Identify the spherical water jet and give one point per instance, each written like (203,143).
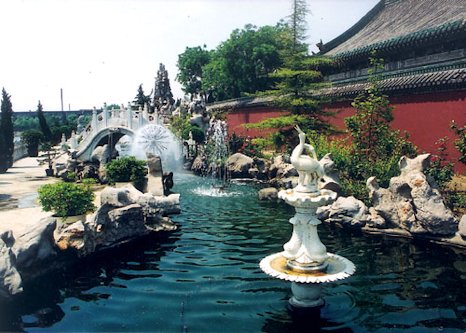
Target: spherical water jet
(157,140)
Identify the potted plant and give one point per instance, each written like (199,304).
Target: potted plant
(32,138)
(67,199)
(47,147)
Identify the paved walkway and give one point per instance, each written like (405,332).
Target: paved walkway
(18,193)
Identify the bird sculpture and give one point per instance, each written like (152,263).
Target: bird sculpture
(308,167)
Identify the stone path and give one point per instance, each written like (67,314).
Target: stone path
(18,194)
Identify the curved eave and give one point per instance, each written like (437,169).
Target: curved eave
(438,80)
(449,30)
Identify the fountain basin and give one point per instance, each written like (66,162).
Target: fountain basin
(306,285)
(338,268)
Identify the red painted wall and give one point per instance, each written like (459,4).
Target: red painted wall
(237,118)
(426,117)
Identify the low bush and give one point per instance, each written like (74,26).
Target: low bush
(127,169)
(66,199)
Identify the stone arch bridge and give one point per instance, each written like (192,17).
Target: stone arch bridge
(108,127)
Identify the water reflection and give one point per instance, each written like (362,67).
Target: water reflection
(205,278)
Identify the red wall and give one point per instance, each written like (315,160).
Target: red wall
(236,119)
(426,117)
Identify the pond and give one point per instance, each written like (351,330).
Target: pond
(205,277)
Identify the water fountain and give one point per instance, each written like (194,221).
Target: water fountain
(217,150)
(157,140)
(305,261)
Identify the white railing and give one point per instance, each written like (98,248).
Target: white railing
(124,117)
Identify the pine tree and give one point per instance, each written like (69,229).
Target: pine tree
(297,82)
(43,123)
(141,99)
(7,128)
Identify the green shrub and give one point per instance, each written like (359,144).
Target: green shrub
(197,133)
(69,176)
(66,199)
(32,138)
(127,169)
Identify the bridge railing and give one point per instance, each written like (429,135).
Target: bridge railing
(124,117)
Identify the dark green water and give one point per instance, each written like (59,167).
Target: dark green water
(205,278)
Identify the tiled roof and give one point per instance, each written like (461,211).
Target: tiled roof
(454,78)
(393,24)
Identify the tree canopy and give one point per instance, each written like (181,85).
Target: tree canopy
(141,98)
(297,80)
(190,64)
(44,127)
(240,65)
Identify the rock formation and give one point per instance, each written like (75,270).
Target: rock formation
(411,202)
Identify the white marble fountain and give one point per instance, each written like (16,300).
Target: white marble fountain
(305,260)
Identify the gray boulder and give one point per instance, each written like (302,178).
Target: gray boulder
(115,197)
(462,227)
(331,179)
(348,211)
(411,202)
(238,165)
(10,280)
(35,245)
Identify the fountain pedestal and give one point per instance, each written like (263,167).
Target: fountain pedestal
(305,260)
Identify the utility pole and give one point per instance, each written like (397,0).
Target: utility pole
(63,115)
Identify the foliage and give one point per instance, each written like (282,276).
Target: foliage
(66,199)
(190,64)
(141,99)
(6,131)
(460,142)
(369,128)
(296,81)
(70,177)
(440,170)
(235,143)
(197,133)
(44,127)
(89,181)
(373,148)
(238,66)
(47,147)
(250,148)
(178,125)
(354,169)
(126,169)
(32,138)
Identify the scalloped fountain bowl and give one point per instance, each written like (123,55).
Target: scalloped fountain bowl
(305,261)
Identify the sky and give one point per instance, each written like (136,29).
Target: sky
(100,51)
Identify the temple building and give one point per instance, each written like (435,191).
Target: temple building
(423,44)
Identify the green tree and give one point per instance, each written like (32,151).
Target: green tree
(460,142)
(141,98)
(44,127)
(6,129)
(32,138)
(3,155)
(375,147)
(296,82)
(190,64)
(241,65)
